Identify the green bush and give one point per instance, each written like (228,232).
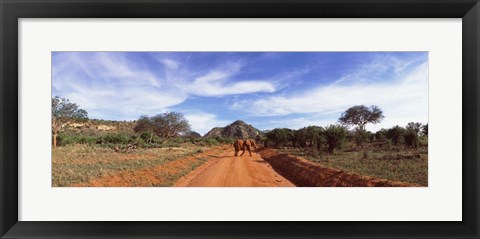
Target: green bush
(380,136)
(360,136)
(178,140)
(201,143)
(411,139)
(63,139)
(280,136)
(119,138)
(148,137)
(86,140)
(335,136)
(68,139)
(395,135)
(221,140)
(211,141)
(139,142)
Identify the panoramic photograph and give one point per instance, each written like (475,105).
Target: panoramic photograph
(239,119)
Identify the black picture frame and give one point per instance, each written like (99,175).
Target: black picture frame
(12,10)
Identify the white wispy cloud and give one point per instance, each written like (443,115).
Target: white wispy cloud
(403,99)
(377,68)
(220,82)
(107,82)
(296,122)
(119,86)
(202,122)
(170,63)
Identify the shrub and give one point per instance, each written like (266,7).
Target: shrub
(335,136)
(314,153)
(220,139)
(279,136)
(360,136)
(86,140)
(320,140)
(300,138)
(66,139)
(425,130)
(139,142)
(201,143)
(211,141)
(62,139)
(395,135)
(313,134)
(381,135)
(411,139)
(147,137)
(119,138)
(178,140)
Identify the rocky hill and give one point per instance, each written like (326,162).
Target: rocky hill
(237,129)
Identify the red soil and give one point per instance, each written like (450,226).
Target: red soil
(148,177)
(307,174)
(222,169)
(226,170)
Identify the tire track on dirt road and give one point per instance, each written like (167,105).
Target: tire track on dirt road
(226,170)
(160,175)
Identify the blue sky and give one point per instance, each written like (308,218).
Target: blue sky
(265,89)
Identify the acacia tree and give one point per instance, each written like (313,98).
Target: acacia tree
(335,136)
(164,125)
(395,134)
(144,125)
(170,124)
(361,115)
(411,138)
(300,138)
(280,136)
(313,133)
(415,127)
(64,111)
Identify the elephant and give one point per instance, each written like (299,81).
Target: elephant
(247,144)
(238,145)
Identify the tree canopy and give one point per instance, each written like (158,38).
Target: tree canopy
(64,111)
(360,115)
(425,129)
(164,125)
(415,127)
(335,136)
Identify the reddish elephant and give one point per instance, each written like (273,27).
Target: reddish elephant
(248,145)
(238,145)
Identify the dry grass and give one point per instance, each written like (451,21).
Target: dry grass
(403,165)
(81,163)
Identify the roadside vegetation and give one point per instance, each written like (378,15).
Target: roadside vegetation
(84,149)
(75,164)
(398,153)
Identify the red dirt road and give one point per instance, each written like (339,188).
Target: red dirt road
(226,170)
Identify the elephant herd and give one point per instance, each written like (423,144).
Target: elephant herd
(247,144)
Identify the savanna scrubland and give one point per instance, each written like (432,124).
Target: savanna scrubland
(162,150)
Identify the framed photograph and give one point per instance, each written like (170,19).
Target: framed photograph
(239,119)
